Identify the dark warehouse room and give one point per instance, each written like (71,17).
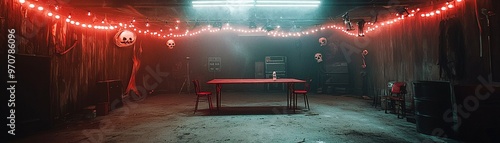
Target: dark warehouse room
(246,71)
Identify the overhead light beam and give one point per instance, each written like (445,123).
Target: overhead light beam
(257,3)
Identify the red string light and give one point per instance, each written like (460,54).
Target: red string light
(448,5)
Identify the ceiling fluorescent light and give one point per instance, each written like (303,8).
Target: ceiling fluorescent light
(219,5)
(268,3)
(259,3)
(281,5)
(222,3)
(289,2)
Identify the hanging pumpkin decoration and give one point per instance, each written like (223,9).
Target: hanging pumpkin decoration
(170,44)
(125,38)
(322,41)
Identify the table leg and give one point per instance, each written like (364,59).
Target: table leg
(218,88)
(290,98)
(288,95)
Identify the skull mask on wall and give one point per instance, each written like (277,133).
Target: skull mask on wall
(125,38)
(170,44)
(322,41)
(318,57)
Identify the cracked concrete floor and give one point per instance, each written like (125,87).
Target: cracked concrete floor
(244,117)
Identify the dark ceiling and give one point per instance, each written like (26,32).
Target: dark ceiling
(164,13)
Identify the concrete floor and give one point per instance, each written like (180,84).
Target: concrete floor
(245,117)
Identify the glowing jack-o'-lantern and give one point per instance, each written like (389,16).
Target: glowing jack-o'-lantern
(322,41)
(125,38)
(170,43)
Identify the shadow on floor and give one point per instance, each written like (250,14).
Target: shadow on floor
(250,110)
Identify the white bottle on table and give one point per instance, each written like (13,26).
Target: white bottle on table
(274,75)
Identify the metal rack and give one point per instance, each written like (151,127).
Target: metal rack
(336,77)
(277,64)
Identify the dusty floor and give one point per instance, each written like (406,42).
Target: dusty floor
(245,117)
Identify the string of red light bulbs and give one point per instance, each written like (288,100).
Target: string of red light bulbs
(103,26)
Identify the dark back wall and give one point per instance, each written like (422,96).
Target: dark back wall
(238,54)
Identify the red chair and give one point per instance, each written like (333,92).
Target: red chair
(304,93)
(397,99)
(200,93)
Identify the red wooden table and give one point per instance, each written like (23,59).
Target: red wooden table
(289,81)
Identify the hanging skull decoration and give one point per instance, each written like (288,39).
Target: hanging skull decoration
(322,41)
(318,57)
(170,44)
(125,38)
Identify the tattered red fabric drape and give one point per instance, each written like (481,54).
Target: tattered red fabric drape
(136,65)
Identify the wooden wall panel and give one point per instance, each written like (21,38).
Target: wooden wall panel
(75,73)
(409,50)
